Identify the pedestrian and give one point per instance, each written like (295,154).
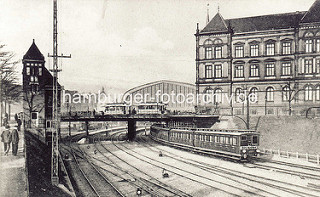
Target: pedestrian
(15,141)
(19,122)
(6,139)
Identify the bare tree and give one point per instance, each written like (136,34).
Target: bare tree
(10,88)
(31,93)
(290,92)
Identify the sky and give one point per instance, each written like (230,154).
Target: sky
(120,44)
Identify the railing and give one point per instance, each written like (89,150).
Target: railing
(297,155)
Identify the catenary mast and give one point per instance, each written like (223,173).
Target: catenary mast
(55,103)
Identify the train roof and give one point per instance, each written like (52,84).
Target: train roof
(148,104)
(115,105)
(219,131)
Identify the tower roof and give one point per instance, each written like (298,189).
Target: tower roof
(217,24)
(313,14)
(33,53)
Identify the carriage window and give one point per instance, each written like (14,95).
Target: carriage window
(222,139)
(234,141)
(243,138)
(255,139)
(208,138)
(227,140)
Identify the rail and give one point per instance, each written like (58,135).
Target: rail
(287,154)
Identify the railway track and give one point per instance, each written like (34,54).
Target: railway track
(204,180)
(142,179)
(292,189)
(311,169)
(97,181)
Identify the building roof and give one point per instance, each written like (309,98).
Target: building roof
(265,22)
(217,24)
(313,14)
(33,53)
(257,23)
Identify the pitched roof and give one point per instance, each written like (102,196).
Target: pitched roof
(33,53)
(258,23)
(217,24)
(313,14)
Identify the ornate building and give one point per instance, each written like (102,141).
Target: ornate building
(274,57)
(37,90)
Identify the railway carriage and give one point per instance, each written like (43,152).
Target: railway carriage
(236,144)
(150,108)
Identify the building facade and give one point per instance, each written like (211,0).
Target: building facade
(275,57)
(37,90)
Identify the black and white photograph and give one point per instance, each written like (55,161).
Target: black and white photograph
(157,98)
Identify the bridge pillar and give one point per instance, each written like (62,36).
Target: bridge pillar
(87,128)
(131,130)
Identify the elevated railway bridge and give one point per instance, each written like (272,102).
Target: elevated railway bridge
(191,120)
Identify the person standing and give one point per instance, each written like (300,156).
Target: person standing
(19,124)
(6,139)
(15,141)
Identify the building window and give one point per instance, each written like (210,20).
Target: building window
(208,95)
(208,71)
(27,70)
(254,70)
(270,49)
(218,96)
(208,52)
(318,93)
(270,69)
(286,48)
(254,50)
(218,52)
(40,71)
(286,93)
(239,51)
(286,68)
(239,96)
(254,95)
(308,66)
(239,71)
(308,93)
(269,94)
(309,44)
(32,78)
(218,71)
(318,66)
(317,45)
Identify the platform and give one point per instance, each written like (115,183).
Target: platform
(12,170)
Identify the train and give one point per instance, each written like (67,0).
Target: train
(233,143)
(120,109)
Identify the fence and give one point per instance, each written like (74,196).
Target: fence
(297,155)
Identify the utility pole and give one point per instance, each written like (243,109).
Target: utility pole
(55,104)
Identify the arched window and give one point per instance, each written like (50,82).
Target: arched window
(238,95)
(208,49)
(254,95)
(270,94)
(308,94)
(208,95)
(218,96)
(286,93)
(318,93)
